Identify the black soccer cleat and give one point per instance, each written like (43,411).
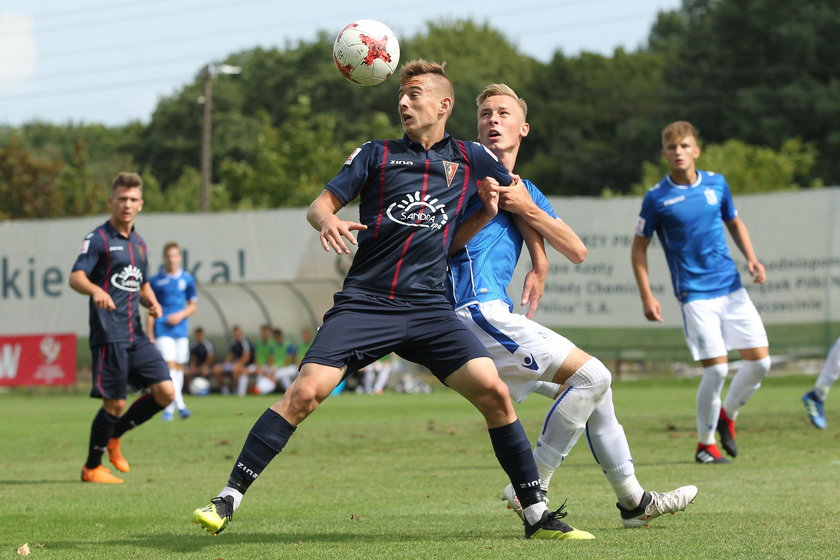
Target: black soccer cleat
(550,527)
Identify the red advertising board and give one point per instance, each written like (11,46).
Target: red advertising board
(39,359)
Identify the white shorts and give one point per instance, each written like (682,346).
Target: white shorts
(715,326)
(524,351)
(174,349)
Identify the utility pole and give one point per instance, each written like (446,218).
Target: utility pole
(210,70)
(206,140)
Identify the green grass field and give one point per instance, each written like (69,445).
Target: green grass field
(413,476)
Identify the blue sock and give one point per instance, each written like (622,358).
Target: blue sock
(513,450)
(266,439)
(100,432)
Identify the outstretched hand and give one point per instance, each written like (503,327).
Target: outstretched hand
(335,230)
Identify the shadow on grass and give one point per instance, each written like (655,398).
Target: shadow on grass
(183,543)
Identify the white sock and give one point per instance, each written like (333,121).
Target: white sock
(534,513)
(708,401)
(547,389)
(177,376)
(236,494)
(746,382)
(612,452)
(829,372)
(242,385)
(567,417)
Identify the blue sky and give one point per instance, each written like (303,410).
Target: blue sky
(98,61)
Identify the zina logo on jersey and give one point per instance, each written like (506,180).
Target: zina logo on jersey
(416,212)
(129,279)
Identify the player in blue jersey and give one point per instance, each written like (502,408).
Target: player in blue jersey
(814,400)
(111,270)
(688,210)
(529,357)
(413,193)
(175,290)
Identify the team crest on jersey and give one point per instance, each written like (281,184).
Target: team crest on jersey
(450,168)
(128,279)
(417,211)
(711,196)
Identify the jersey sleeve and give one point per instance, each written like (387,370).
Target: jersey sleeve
(191,292)
(347,184)
(727,205)
(89,253)
(485,164)
(646,223)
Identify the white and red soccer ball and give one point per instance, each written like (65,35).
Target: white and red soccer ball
(366,52)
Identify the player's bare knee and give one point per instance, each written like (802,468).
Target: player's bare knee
(115,407)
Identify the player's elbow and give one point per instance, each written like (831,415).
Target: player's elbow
(576,253)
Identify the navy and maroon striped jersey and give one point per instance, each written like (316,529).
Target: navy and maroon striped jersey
(117,265)
(412,201)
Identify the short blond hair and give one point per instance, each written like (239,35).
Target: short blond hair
(678,130)
(419,67)
(501,89)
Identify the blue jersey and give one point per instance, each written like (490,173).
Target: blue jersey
(117,265)
(411,200)
(173,292)
(483,269)
(688,219)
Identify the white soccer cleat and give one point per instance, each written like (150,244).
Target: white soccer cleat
(655,504)
(509,496)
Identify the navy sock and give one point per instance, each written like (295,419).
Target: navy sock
(266,439)
(513,450)
(140,410)
(100,432)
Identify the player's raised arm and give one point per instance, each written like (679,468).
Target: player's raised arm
(321,216)
(517,200)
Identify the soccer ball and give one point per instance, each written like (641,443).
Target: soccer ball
(366,52)
(200,386)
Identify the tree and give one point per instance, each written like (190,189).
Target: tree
(28,186)
(593,120)
(762,71)
(748,169)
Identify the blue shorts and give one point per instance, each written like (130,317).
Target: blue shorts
(360,329)
(120,364)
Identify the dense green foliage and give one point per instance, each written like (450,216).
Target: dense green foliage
(400,476)
(759,78)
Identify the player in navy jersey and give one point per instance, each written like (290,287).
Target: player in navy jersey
(687,210)
(412,195)
(111,270)
(529,357)
(176,292)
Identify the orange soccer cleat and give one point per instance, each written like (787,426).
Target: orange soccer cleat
(116,456)
(99,474)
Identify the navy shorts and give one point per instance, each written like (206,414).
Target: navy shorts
(360,329)
(120,364)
